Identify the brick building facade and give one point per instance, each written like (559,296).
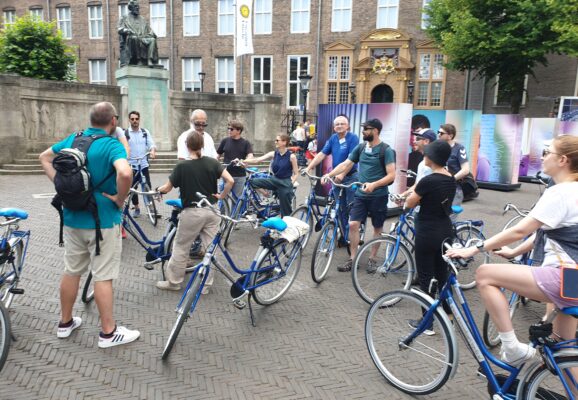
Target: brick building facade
(338,42)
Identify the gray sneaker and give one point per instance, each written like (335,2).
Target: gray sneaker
(346,266)
(371,266)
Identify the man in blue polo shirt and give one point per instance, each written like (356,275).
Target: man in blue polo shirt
(339,146)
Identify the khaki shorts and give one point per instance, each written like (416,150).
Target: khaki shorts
(79,252)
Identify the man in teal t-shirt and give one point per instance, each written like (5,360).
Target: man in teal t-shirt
(106,157)
(376,164)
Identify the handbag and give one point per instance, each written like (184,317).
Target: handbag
(568,280)
(469,186)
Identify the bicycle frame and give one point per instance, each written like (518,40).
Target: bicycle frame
(250,197)
(12,237)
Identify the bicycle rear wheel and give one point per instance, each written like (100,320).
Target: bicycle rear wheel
(323,252)
(302,213)
(421,366)
(391,268)
(467,275)
(150,206)
(88,290)
(277,268)
(545,385)
(183,312)
(5,337)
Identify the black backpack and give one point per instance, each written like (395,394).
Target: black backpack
(74,188)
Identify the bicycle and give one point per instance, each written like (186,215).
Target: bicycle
(157,251)
(270,275)
(148,200)
(397,344)
(331,225)
(251,203)
(13,248)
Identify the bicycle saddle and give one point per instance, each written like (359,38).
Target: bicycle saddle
(275,223)
(174,203)
(457,209)
(13,213)
(573,311)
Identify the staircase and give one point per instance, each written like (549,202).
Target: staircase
(163,164)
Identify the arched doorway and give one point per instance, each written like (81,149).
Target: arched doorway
(382,94)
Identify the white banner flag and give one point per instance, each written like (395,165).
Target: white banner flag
(244,34)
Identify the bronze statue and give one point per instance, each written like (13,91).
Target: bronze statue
(138,42)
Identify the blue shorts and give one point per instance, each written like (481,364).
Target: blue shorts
(375,207)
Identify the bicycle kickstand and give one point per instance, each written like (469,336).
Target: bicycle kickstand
(251,312)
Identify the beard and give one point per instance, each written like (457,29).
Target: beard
(368,138)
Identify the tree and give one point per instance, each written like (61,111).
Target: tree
(505,38)
(34,48)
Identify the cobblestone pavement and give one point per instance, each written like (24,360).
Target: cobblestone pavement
(309,345)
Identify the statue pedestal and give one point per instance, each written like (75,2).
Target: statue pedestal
(145,90)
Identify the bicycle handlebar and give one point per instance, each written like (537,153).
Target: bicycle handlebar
(341,185)
(139,158)
(312,177)
(204,202)
(408,172)
(511,206)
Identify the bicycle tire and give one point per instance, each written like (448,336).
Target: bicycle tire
(543,384)
(489,330)
(229,226)
(323,252)
(17,250)
(271,292)
(385,326)
(513,221)
(302,213)
(150,205)
(467,275)
(5,335)
(88,290)
(394,271)
(184,312)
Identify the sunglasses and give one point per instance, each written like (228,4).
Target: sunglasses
(134,119)
(200,124)
(368,128)
(442,133)
(545,152)
(418,138)
(231,129)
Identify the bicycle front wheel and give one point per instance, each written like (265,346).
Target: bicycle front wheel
(381,266)
(467,275)
(490,332)
(4,335)
(275,272)
(323,252)
(150,206)
(543,384)
(184,311)
(88,289)
(302,213)
(420,366)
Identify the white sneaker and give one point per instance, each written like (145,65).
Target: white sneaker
(166,285)
(65,332)
(120,336)
(515,360)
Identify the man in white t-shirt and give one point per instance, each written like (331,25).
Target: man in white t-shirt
(198,123)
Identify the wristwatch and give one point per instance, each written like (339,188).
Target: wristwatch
(480,246)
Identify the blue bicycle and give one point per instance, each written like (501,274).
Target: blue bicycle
(13,248)
(141,183)
(272,272)
(413,344)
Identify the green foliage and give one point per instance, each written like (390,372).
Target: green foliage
(508,38)
(34,48)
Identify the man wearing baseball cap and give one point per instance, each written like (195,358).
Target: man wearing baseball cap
(376,171)
(423,137)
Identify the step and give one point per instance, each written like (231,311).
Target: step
(22,167)
(21,172)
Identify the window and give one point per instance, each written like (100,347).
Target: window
(64,22)
(261,75)
(387,11)
(9,17)
(226,22)
(122,10)
(97,71)
(263,17)
(191,69)
(430,83)
(424,16)
(37,13)
(502,97)
(300,16)
(338,79)
(159,19)
(95,22)
(296,66)
(341,16)
(191,18)
(225,75)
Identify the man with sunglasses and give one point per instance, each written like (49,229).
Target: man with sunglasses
(198,123)
(140,142)
(235,147)
(423,137)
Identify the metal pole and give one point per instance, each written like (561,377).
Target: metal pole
(305,105)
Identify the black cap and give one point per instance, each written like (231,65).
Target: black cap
(373,123)
(426,133)
(438,152)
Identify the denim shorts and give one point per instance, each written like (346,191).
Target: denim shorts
(375,207)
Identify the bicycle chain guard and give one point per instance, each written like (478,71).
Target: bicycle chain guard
(237,288)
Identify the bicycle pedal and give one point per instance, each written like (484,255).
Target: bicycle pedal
(16,291)
(239,304)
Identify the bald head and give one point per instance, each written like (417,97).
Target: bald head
(101,114)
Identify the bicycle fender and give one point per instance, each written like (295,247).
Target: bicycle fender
(426,297)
